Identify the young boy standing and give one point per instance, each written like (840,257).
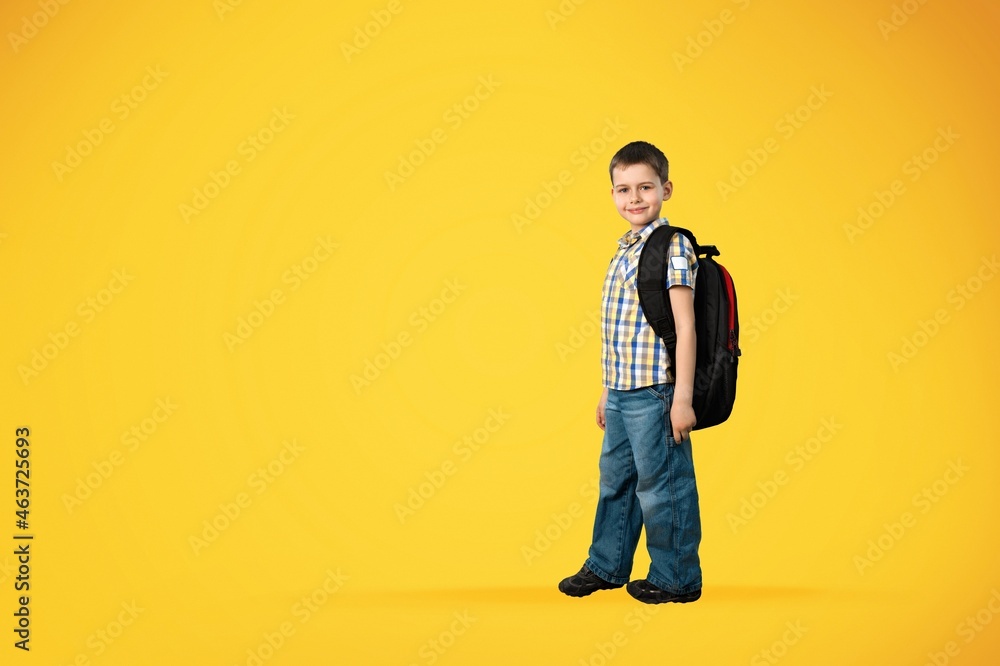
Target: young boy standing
(647,472)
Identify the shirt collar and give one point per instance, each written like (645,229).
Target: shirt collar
(632,236)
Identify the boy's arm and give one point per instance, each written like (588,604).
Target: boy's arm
(601,422)
(682,416)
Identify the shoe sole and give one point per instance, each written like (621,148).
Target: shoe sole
(684,599)
(579,594)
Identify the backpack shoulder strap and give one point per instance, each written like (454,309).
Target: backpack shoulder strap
(651,284)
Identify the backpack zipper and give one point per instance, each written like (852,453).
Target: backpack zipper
(733,343)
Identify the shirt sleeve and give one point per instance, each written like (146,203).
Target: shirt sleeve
(682,262)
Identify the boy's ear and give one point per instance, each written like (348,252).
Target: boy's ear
(668,189)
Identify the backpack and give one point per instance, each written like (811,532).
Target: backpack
(717,324)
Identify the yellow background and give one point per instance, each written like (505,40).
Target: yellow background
(480,326)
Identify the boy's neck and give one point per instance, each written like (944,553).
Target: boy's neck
(637,228)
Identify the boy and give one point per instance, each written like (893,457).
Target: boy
(647,472)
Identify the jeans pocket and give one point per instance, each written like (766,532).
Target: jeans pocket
(664,393)
(668,428)
(659,390)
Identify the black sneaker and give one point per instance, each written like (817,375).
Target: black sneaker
(648,593)
(585,582)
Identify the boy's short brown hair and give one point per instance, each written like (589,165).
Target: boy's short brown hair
(641,152)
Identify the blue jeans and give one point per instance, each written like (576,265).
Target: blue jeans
(647,478)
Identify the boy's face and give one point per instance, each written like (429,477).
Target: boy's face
(639,194)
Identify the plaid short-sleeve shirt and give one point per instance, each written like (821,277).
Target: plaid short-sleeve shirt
(632,354)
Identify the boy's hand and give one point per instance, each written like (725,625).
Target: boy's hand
(601,423)
(682,419)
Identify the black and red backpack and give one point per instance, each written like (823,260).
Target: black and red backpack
(717,324)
